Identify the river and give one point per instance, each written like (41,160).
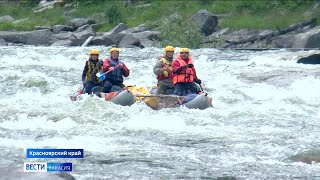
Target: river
(265,110)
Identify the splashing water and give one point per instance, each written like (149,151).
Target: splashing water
(265,109)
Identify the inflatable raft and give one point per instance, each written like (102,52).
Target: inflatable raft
(132,94)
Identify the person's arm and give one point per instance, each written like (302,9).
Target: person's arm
(158,68)
(84,72)
(194,73)
(176,68)
(125,70)
(106,65)
(196,79)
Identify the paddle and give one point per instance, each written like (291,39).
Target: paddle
(76,95)
(102,76)
(201,87)
(157,95)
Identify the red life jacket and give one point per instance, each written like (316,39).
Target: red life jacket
(186,75)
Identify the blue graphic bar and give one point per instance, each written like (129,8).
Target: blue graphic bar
(54,153)
(59,167)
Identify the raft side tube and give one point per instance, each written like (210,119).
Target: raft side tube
(203,101)
(124,98)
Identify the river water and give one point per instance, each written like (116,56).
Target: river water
(265,110)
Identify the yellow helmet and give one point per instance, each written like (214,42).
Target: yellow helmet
(184,50)
(94,51)
(169,48)
(114,49)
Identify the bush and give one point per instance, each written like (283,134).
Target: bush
(180,32)
(114,15)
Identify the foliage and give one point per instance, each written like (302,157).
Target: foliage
(177,31)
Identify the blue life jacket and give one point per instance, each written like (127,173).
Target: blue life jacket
(116,74)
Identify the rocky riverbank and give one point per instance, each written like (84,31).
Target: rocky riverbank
(83,32)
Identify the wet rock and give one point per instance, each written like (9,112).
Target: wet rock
(82,34)
(312,59)
(102,40)
(131,46)
(240,35)
(307,157)
(309,39)
(42,28)
(67,42)
(255,45)
(146,43)
(3,42)
(6,19)
(38,37)
(137,29)
(62,36)
(58,28)
(111,37)
(284,41)
(95,27)
(220,32)
(147,35)
(78,22)
(120,27)
(129,40)
(206,21)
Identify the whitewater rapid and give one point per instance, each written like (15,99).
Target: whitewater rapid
(265,110)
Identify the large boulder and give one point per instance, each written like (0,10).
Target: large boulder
(78,22)
(102,40)
(129,40)
(5,19)
(58,28)
(309,39)
(308,157)
(39,37)
(96,26)
(137,29)
(82,34)
(284,41)
(111,37)
(42,28)
(120,27)
(312,59)
(63,36)
(66,42)
(240,35)
(146,43)
(206,21)
(3,42)
(147,35)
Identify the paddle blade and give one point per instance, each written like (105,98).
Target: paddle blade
(101,76)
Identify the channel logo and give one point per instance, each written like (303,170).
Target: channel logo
(35,167)
(47,167)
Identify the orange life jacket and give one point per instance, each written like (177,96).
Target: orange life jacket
(186,75)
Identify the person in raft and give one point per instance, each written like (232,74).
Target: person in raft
(92,66)
(118,71)
(184,75)
(163,70)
